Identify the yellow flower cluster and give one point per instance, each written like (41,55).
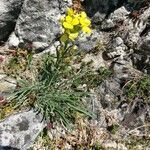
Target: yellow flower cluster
(73,23)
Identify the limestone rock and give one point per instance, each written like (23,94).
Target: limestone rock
(102,6)
(39,22)
(13,40)
(109,91)
(113,145)
(118,15)
(6,84)
(88,43)
(136,114)
(9,12)
(117,48)
(20,130)
(144,45)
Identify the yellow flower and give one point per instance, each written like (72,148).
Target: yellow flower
(75,21)
(67,25)
(8,110)
(68,19)
(73,24)
(86,29)
(77,16)
(73,36)
(70,12)
(85,21)
(83,14)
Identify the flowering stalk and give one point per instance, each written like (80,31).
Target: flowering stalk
(51,92)
(73,24)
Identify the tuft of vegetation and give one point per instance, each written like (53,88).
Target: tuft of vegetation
(92,79)
(96,146)
(135,143)
(138,88)
(52,92)
(19,62)
(113,128)
(6,109)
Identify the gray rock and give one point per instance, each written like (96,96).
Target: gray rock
(113,145)
(141,61)
(123,69)
(145,15)
(39,46)
(132,29)
(119,14)
(129,29)
(13,41)
(39,21)
(107,25)
(141,56)
(2,76)
(117,48)
(7,84)
(144,45)
(20,130)
(101,9)
(88,43)
(109,91)
(8,148)
(102,6)
(98,18)
(94,105)
(9,11)
(136,114)
(133,34)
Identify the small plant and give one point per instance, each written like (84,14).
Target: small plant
(19,62)
(92,79)
(52,93)
(113,128)
(96,146)
(6,109)
(138,88)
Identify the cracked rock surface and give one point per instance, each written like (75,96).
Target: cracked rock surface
(20,130)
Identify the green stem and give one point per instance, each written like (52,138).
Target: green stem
(61,57)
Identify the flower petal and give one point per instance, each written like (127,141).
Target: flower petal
(67,25)
(75,21)
(83,14)
(85,21)
(86,29)
(68,19)
(73,36)
(70,12)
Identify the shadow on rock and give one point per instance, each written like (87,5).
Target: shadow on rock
(8,148)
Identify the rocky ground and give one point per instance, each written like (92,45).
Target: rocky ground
(120,42)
